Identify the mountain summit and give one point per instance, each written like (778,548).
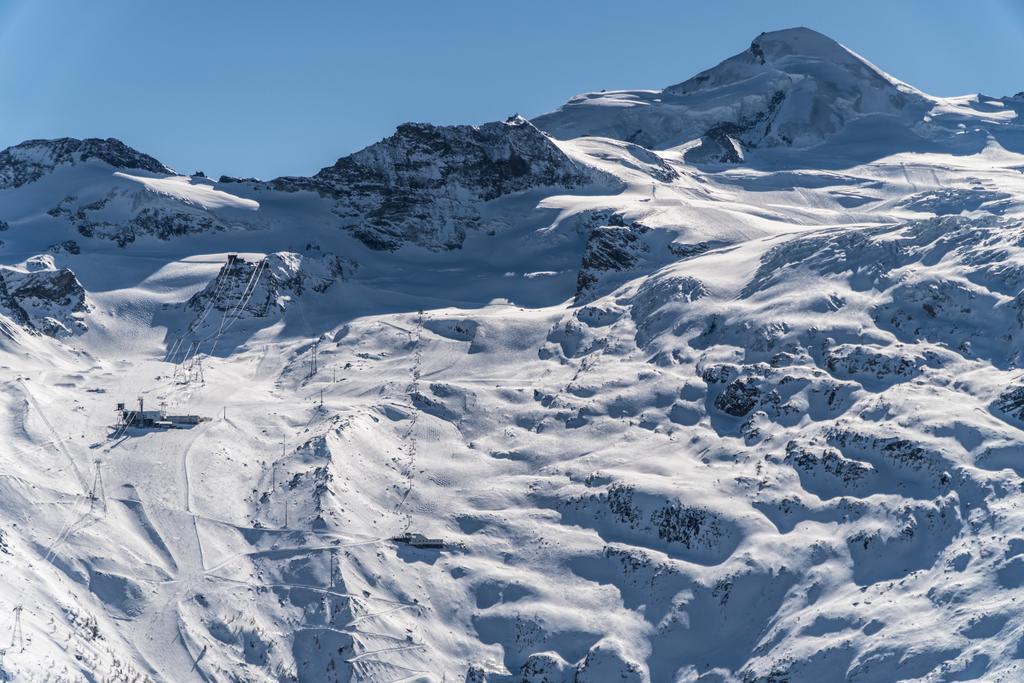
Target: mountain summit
(793,88)
(715,383)
(797,52)
(32,159)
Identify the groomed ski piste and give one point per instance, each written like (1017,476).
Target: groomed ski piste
(703,384)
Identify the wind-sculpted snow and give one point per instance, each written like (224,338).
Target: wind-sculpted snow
(956,201)
(793,89)
(798,88)
(477,404)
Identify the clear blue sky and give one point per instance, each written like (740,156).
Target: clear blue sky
(266,88)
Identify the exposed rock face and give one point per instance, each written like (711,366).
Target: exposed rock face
(609,660)
(739,398)
(67,246)
(629,514)
(156,222)
(618,249)
(425,183)
(724,142)
(148,215)
(615,247)
(1011,401)
(43,298)
(257,289)
(31,160)
(543,667)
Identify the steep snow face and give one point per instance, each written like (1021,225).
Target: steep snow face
(791,89)
(794,87)
(477,404)
(192,191)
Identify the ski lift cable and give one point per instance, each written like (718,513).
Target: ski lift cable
(240,309)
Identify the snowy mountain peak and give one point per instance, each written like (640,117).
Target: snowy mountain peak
(794,88)
(477,404)
(31,160)
(799,52)
(772,45)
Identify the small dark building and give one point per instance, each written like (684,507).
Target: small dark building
(418,540)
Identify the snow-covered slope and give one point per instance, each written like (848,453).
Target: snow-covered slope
(482,403)
(792,89)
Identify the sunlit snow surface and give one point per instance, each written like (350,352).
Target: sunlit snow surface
(780,440)
(199,194)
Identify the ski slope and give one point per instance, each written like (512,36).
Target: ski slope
(705,403)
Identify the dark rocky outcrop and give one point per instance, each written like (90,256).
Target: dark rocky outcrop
(67,247)
(31,160)
(725,142)
(1011,401)
(43,299)
(161,220)
(610,248)
(739,398)
(425,184)
(256,289)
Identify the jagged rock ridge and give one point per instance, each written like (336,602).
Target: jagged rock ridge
(425,183)
(31,160)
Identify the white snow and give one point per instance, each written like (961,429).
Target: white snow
(185,189)
(778,440)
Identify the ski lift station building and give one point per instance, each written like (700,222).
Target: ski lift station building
(154,419)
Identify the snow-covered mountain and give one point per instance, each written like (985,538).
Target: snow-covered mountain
(715,383)
(794,89)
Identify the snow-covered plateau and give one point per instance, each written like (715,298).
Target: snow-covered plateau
(716,383)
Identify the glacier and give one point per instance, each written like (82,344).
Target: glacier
(717,383)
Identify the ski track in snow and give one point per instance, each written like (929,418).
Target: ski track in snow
(708,384)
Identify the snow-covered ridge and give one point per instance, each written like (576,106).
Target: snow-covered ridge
(425,183)
(793,88)
(31,160)
(479,403)
(189,191)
